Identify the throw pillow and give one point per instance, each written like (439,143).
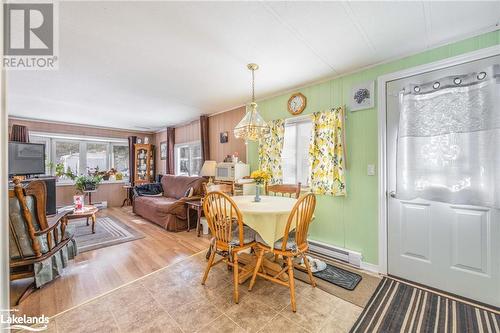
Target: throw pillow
(189,192)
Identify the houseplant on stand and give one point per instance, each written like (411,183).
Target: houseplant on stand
(87,184)
(260,177)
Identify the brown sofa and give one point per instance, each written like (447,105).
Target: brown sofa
(169,210)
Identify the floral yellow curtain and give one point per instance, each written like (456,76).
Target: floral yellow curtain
(326,153)
(270,148)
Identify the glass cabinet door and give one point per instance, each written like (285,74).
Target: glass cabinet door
(141,161)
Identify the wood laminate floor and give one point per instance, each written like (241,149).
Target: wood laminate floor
(99,271)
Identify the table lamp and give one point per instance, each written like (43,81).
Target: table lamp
(208,170)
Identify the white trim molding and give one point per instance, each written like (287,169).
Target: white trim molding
(382,135)
(4,194)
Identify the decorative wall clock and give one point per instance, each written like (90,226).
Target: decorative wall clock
(297,103)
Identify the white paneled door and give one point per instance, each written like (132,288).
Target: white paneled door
(454,248)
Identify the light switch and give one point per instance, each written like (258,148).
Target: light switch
(371,170)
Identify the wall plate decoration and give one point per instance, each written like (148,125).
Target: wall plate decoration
(224,137)
(297,103)
(163,150)
(362,96)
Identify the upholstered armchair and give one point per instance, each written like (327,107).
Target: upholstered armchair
(39,246)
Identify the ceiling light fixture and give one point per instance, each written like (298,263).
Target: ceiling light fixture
(252,127)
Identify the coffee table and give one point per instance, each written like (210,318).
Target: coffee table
(87,212)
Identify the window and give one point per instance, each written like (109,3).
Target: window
(120,159)
(188,159)
(68,153)
(97,156)
(295,156)
(84,154)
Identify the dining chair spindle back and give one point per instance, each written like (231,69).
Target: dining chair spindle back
(229,235)
(293,244)
(289,190)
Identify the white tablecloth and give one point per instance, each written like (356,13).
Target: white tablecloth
(268,217)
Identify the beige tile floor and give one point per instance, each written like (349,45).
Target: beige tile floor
(173,300)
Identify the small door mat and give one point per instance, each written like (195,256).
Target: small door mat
(338,276)
(359,296)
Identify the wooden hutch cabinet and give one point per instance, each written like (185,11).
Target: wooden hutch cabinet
(144,163)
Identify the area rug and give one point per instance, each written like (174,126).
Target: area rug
(359,296)
(399,307)
(108,232)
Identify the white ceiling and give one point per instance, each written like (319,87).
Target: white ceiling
(146,65)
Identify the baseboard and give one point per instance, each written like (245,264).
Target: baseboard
(370,267)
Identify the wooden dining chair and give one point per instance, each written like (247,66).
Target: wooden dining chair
(293,244)
(229,234)
(224,188)
(284,190)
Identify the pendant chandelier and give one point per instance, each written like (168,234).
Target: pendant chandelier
(252,127)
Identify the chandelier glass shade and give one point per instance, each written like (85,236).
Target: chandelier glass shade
(252,127)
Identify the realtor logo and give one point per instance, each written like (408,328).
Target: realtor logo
(30,37)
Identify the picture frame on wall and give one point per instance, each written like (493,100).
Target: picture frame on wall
(224,137)
(362,96)
(163,150)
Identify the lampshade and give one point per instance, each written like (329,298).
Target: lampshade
(208,169)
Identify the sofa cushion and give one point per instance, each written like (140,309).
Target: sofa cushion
(160,205)
(176,186)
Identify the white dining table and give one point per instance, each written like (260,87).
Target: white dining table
(267,217)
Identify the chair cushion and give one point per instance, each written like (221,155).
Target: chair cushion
(291,245)
(248,236)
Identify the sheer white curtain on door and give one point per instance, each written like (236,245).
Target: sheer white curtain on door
(448,146)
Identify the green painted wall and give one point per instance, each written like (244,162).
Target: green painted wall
(351,221)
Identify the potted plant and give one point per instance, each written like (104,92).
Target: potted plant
(260,177)
(59,170)
(69,173)
(87,183)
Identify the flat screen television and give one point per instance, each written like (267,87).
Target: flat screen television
(26,159)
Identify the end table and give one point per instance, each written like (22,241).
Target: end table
(128,199)
(198,207)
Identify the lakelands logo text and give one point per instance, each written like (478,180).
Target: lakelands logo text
(10,320)
(30,36)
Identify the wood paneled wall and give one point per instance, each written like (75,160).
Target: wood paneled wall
(188,133)
(222,122)
(225,122)
(161,165)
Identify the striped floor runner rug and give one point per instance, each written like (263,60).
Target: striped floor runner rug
(399,307)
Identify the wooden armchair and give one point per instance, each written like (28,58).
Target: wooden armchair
(289,190)
(36,239)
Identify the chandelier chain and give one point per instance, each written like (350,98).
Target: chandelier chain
(253,85)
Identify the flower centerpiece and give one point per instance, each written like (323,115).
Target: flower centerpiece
(260,177)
